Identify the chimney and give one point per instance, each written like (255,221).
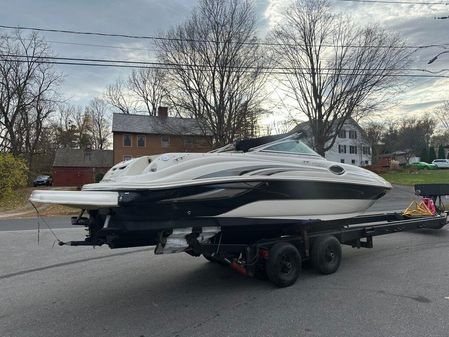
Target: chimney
(162,112)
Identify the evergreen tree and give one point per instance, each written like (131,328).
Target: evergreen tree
(425,155)
(441,154)
(432,154)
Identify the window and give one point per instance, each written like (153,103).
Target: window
(353,161)
(141,140)
(342,161)
(165,141)
(366,150)
(127,140)
(352,149)
(341,148)
(342,134)
(126,158)
(352,134)
(366,162)
(291,146)
(188,141)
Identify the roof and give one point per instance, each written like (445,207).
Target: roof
(81,158)
(157,125)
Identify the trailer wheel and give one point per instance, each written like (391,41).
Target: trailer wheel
(260,272)
(284,264)
(326,254)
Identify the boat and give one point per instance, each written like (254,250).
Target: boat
(251,186)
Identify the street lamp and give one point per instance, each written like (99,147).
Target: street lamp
(435,57)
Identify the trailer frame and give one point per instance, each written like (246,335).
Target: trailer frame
(251,258)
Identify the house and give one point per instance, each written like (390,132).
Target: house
(140,135)
(76,167)
(351,145)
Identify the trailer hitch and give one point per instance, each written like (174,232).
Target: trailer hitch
(80,243)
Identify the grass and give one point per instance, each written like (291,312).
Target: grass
(412,177)
(18,202)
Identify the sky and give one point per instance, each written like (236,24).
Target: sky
(415,23)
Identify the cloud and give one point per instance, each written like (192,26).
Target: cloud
(416,24)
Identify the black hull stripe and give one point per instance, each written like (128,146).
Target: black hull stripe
(189,202)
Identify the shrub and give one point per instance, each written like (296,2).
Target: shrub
(99,176)
(13,174)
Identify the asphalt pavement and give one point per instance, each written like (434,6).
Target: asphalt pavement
(398,288)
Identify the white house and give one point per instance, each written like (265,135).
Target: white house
(350,147)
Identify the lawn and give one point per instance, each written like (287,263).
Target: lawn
(407,177)
(18,202)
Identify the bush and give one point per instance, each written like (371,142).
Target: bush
(13,174)
(376,169)
(99,176)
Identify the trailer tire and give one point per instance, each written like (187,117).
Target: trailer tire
(260,272)
(326,254)
(284,264)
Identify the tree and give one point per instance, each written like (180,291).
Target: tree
(432,154)
(441,153)
(442,114)
(144,89)
(79,128)
(149,87)
(13,174)
(411,135)
(440,138)
(216,68)
(425,155)
(27,93)
(65,131)
(99,127)
(118,96)
(374,133)
(333,69)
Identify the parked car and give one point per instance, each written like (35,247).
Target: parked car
(422,165)
(441,163)
(42,181)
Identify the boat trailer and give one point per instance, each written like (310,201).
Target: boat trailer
(278,252)
(319,243)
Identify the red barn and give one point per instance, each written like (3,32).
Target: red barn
(75,167)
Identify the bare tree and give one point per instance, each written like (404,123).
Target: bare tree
(149,87)
(99,123)
(27,93)
(117,95)
(333,69)
(217,68)
(442,114)
(143,90)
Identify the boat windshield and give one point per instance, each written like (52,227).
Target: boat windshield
(290,146)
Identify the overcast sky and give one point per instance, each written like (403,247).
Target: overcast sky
(415,23)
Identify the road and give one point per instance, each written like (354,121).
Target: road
(399,288)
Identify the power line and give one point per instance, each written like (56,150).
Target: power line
(398,2)
(99,45)
(159,38)
(174,65)
(155,65)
